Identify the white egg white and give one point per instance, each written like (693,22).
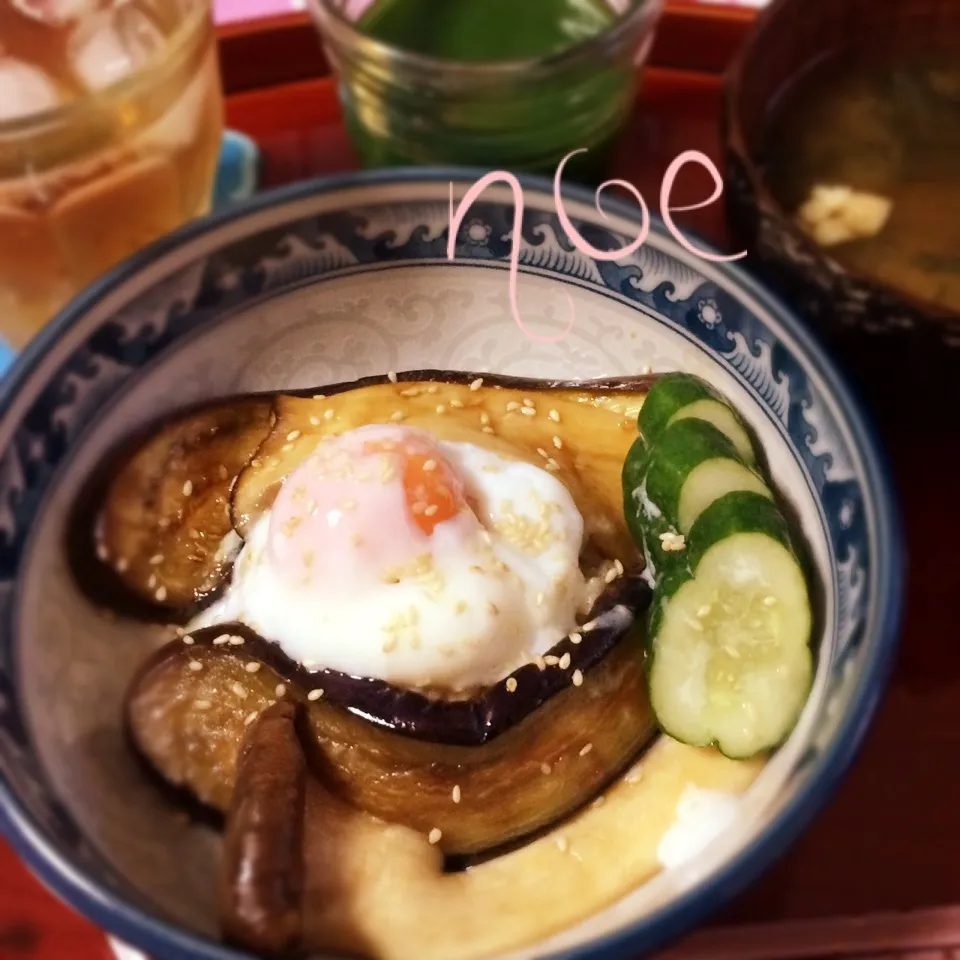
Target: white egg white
(487,597)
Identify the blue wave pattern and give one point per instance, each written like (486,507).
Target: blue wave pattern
(276,260)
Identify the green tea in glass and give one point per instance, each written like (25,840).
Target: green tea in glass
(516,84)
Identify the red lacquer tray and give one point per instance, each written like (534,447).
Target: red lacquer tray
(878,873)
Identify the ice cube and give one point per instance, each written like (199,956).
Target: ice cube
(113,45)
(24,90)
(55,13)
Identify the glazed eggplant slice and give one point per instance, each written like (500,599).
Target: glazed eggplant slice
(164,527)
(380,890)
(262,868)
(582,430)
(531,749)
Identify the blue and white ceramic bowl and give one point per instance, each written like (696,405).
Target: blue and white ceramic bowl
(340,279)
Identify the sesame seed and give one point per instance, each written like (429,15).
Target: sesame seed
(223,638)
(540,662)
(429,465)
(250,717)
(202,704)
(618,566)
(122,564)
(156,558)
(484,417)
(431,510)
(554,415)
(575,638)
(635,775)
(161,594)
(441,408)
(281,691)
(672,542)
(252,666)
(456,793)
(188,488)
(314,421)
(328,414)
(529,411)
(695,625)
(456,404)
(433,388)
(527,402)
(240,690)
(589,625)
(319,396)
(545,769)
(236,641)
(195,665)
(434,835)
(286,447)
(188,641)
(397,415)
(558,443)
(512,405)
(543,453)
(564,661)
(552,464)
(551,660)
(391,376)
(411,392)
(511,684)
(179,631)
(598,802)
(476,384)
(578,678)
(484,429)
(293,435)
(316,694)
(610,575)
(586,749)
(562,844)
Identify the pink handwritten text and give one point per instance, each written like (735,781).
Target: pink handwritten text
(577,241)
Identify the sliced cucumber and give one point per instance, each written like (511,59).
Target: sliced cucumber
(692,465)
(724,419)
(676,396)
(731,662)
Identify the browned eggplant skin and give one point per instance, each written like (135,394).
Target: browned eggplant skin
(188,722)
(135,510)
(146,531)
(262,873)
(471,721)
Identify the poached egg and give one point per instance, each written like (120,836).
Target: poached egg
(426,564)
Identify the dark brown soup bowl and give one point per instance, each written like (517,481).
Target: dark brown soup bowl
(888,338)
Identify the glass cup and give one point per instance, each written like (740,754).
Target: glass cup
(111,118)
(523,115)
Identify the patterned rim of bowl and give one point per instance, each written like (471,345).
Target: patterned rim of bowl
(823,766)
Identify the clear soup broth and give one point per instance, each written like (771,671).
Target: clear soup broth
(867,158)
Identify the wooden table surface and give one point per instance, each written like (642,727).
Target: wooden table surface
(887,841)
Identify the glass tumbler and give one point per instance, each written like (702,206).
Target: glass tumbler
(110,129)
(523,115)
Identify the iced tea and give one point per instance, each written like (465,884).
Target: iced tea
(110,127)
